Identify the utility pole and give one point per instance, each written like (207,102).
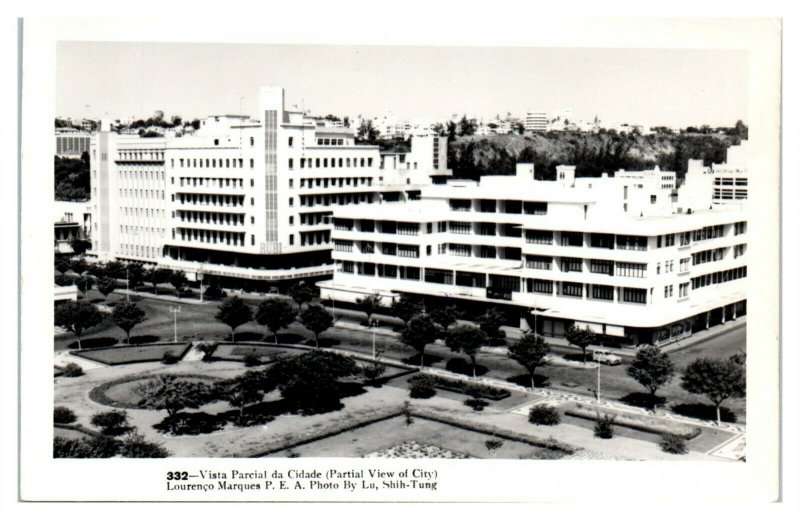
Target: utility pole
(175,310)
(200,277)
(127,284)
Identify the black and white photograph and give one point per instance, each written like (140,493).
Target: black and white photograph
(328,270)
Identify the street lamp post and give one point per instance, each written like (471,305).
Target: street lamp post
(200,278)
(175,310)
(373,323)
(127,284)
(598,382)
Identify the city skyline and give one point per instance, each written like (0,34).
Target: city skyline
(672,87)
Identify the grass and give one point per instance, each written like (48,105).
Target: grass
(124,354)
(120,393)
(197,321)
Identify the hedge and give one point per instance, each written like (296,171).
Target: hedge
(635,422)
(465,387)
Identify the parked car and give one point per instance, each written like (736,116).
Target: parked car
(606,357)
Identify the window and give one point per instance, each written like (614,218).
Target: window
(291,164)
(252,141)
(291,240)
(572,289)
(535,208)
(460,228)
(535,236)
(602,292)
(602,267)
(630,270)
(291,141)
(252,163)
(460,249)
(683,290)
(291,201)
(539,262)
(602,240)
(540,286)
(632,295)
(571,265)
(570,238)
(438,276)
(652,199)
(631,242)
(460,205)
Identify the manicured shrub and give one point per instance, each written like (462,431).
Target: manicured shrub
(475,390)
(604,427)
(73,370)
(135,447)
(63,415)
(169,358)
(544,415)
(207,348)
(100,447)
(421,388)
(476,404)
(671,443)
(373,371)
(251,360)
(114,422)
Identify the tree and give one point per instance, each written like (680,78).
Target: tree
(114,269)
(84,283)
(167,392)
(406,307)
(417,333)
(717,379)
(156,276)
(177,121)
(80,246)
(126,316)
(106,285)
(234,312)
(446,316)
(490,323)
(367,133)
(77,317)
(467,339)
(114,422)
(196,124)
(579,337)
(316,319)
(240,391)
(178,280)
(301,293)
(451,131)
(134,273)
(466,126)
(310,381)
(276,314)
(529,352)
(519,128)
(369,304)
(652,369)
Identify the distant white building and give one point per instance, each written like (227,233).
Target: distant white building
(729,179)
(536,121)
(71,142)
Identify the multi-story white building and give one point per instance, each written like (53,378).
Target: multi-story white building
(71,142)
(244,198)
(631,257)
(729,179)
(536,121)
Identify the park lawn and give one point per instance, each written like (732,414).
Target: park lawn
(133,354)
(389,433)
(197,321)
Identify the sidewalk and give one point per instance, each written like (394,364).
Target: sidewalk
(162,297)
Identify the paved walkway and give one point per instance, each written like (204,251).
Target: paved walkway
(63,358)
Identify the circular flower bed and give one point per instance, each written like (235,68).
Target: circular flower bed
(120,393)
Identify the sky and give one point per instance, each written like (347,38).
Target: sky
(673,87)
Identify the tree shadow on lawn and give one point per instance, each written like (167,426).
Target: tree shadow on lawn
(704,411)
(463,366)
(323,342)
(287,338)
(249,336)
(100,342)
(578,357)
(644,400)
(525,380)
(145,338)
(430,360)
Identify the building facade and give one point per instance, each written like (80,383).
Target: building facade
(536,121)
(244,198)
(71,142)
(631,257)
